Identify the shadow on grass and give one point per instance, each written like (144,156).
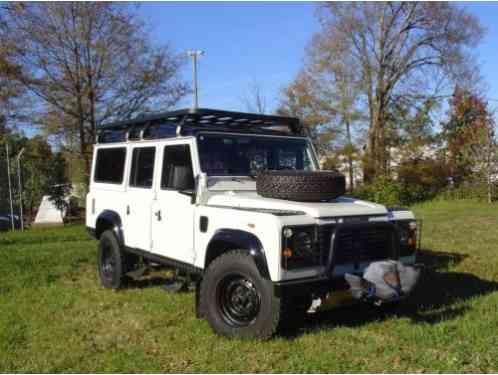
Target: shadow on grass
(432,302)
(148,282)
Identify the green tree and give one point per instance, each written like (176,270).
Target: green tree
(59,185)
(37,165)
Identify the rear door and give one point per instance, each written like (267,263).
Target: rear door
(173,210)
(139,197)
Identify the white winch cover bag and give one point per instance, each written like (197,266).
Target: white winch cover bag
(388,287)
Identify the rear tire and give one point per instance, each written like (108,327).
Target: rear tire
(236,300)
(111,261)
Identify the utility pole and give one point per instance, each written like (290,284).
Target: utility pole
(10,187)
(20,187)
(194,54)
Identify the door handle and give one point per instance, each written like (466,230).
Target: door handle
(158,215)
(127,210)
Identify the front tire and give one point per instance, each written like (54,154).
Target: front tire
(111,261)
(237,301)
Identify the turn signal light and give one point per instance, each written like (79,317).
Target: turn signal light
(287,253)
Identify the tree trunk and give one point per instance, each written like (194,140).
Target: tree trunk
(376,153)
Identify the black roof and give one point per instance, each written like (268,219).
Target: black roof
(190,121)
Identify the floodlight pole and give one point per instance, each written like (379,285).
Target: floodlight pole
(194,54)
(20,187)
(10,187)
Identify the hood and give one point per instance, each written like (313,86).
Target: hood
(339,207)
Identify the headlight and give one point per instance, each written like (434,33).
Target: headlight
(299,247)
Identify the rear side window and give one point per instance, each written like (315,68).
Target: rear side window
(109,167)
(177,168)
(142,167)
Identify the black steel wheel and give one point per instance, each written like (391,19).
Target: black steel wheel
(111,265)
(236,300)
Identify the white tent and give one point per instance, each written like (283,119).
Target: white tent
(48,213)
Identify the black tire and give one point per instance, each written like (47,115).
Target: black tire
(304,186)
(111,261)
(236,300)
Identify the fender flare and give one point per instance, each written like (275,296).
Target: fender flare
(238,239)
(109,219)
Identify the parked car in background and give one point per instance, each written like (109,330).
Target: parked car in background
(6,223)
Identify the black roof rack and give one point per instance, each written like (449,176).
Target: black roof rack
(190,121)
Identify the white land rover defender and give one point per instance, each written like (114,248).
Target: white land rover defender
(237,202)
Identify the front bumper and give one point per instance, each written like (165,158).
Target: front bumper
(315,286)
(366,291)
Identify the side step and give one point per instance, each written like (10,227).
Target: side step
(180,283)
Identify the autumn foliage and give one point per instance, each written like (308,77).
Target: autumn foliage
(469,134)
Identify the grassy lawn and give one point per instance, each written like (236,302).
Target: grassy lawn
(54,317)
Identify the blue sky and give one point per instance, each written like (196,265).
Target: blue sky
(243,42)
(265,42)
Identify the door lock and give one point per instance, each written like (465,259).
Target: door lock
(158,215)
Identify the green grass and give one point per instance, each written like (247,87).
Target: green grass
(54,317)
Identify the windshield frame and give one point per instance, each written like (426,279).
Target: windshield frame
(311,149)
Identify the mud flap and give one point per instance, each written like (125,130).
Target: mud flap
(384,282)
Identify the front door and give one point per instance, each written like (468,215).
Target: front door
(173,209)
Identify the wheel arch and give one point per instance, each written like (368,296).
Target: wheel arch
(109,219)
(230,239)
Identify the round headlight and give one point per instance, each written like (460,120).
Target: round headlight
(287,233)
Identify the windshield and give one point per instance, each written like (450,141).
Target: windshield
(246,155)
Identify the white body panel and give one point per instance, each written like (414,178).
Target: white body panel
(228,204)
(172,215)
(339,207)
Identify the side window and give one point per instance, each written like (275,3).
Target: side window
(177,171)
(109,166)
(142,167)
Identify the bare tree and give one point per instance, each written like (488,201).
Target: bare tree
(399,51)
(254,98)
(339,89)
(91,63)
(12,94)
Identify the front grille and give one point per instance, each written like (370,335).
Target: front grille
(324,234)
(356,244)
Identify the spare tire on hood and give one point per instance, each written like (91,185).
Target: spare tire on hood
(304,186)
